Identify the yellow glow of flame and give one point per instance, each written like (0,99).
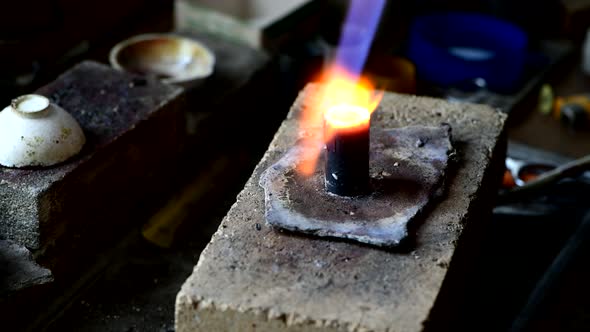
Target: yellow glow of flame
(344,100)
(347,116)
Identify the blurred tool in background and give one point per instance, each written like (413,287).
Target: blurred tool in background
(572,110)
(519,172)
(524,178)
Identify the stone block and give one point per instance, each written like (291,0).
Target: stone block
(252,277)
(135,130)
(18,270)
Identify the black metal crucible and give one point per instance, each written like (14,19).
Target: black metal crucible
(346,131)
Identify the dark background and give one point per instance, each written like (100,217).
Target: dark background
(135,287)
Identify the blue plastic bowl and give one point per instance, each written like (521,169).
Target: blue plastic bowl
(454,48)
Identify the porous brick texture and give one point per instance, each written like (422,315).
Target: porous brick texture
(252,277)
(134,128)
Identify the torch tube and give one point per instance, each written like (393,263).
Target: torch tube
(347,159)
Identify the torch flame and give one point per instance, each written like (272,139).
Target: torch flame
(344,100)
(346,116)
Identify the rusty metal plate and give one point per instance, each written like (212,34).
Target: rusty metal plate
(407,172)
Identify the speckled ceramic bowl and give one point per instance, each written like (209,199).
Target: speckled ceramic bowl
(171,58)
(36,132)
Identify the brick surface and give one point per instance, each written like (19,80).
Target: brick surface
(252,277)
(19,270)
(134,128)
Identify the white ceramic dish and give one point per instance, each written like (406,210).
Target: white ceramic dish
(171,58)
(36,132)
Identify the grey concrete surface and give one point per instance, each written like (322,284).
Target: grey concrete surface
(18,270)
(128,120)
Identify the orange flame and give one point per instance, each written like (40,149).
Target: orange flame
(345,100)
